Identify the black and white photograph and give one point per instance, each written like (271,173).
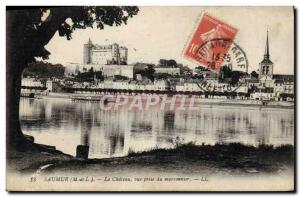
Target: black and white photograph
(150,98)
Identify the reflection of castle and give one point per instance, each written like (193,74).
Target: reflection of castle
(104,54)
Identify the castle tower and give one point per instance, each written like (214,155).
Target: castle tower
(116,53)
(87,52)
(266,65)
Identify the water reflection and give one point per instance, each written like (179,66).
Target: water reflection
(68,125)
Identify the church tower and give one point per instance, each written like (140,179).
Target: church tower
(266,65)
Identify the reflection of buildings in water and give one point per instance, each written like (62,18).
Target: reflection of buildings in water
(48,110)
(169,118)
(268,124)
(113,133)
(285,127)
(230,127)
(42,110)
(193,126)
(263,127)
(211,125)
(278,125)
(110,137)
(86,127)
(233,126)
(85,137)
(26,108)
(33,113)
(163,123)
(142,133)
(116,144)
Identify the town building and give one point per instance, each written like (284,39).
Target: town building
(157,85)
(113,70)
(52,86)
(264,94)
(32,85)
(167,70)
(272,86)
(187,86)
(31,82)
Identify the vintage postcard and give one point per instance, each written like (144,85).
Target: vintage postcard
(137,98)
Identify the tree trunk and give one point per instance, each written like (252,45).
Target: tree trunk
(14,135)
(15,63)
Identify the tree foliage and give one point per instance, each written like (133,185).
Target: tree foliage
(254,74)
(29,30)
(89,76)
(44,70)
(120,77)
(146,70)
(234,76)
(185,70)
(150,72)
(34,28)
(201,68)
(167,63)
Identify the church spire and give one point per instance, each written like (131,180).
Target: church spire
(266,65)
(267,54)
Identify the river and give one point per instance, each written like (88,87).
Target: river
(112,133)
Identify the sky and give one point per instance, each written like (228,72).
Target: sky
(162,33)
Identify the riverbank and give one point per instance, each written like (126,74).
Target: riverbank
(33,155)
(232,158)
(197,100)
(231,167)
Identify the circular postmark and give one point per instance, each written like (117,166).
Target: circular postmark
(219,52)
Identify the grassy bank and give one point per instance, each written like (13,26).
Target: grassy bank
(32,156)
(234,158)
(265,158)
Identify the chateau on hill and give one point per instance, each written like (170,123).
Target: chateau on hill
(111,60)
(104,54)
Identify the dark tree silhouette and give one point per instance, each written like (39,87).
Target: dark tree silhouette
(201,68)
(167,63)
(28,30)
(150,72)
(44,70)
(254,74)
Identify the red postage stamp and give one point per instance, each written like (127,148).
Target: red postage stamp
(210,43)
